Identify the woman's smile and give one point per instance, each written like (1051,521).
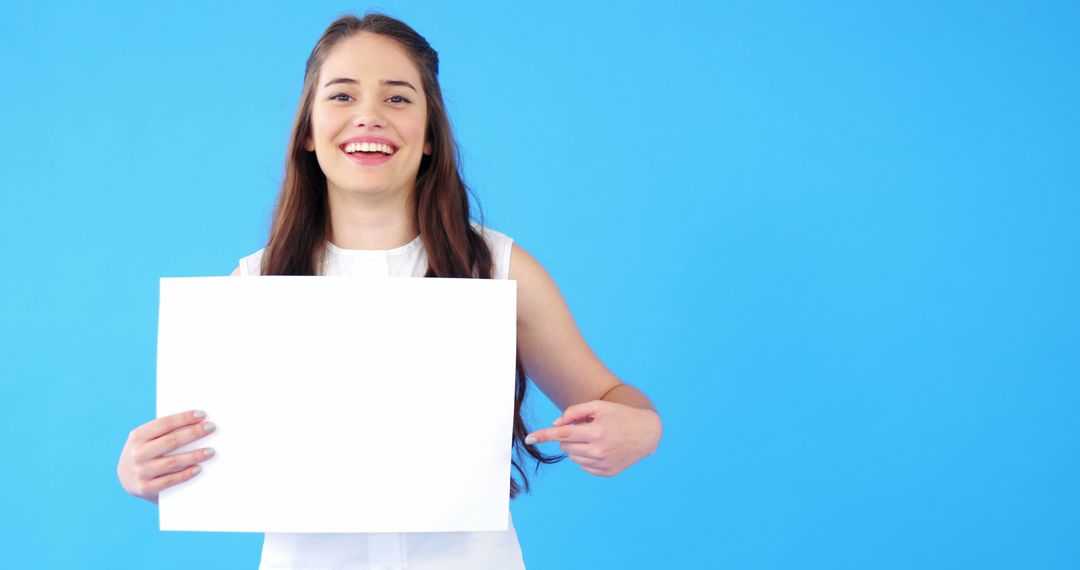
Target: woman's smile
(368,151)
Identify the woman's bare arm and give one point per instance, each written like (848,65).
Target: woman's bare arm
(606,425)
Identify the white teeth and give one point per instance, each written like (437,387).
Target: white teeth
(368,147)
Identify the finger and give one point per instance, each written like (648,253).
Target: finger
(157,485)
(161,426)
(173,463)
(575,434)
(598,472)
(579,412)
(174,440)
(585,461)
(582,449)
(560,421)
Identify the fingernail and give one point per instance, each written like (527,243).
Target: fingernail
(208,453)
(556,420)
(209,426)
(199,414)
(530,440)
(196,470)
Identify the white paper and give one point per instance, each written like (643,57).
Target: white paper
(343,404)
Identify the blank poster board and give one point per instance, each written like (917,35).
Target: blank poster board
(343,404)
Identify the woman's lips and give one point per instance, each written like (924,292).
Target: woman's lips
(369,158)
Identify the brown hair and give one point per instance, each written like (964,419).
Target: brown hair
(301,221)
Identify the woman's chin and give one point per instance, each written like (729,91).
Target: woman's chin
(363,189)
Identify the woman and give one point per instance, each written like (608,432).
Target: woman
(372,187)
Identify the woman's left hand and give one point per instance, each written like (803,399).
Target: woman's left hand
(603,437)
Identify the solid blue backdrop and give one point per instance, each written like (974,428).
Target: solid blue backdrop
(834,242)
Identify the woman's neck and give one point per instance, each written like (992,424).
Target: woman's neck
(358,221)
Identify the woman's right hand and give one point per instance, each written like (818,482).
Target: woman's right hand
(144,470)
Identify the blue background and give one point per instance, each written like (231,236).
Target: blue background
(835,243)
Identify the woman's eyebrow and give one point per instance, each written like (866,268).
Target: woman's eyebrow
(391,82)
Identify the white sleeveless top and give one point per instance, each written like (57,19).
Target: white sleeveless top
(393,551)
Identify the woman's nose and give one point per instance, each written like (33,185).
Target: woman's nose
(367,120)
(368,115)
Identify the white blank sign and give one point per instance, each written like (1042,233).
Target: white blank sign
(343,404)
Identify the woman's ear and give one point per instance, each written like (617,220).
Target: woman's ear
(427,148)
(309,144)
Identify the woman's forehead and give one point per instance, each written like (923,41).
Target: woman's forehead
(371,57)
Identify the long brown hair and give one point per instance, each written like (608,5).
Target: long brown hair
(301,222)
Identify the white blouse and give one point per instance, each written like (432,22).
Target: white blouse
(393,551)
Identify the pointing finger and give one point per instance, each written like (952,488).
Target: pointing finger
(573,434)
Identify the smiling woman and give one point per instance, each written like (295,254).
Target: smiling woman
(368,83)
(372,187)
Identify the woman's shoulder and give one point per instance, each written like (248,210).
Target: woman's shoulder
(490,234)
(500,245)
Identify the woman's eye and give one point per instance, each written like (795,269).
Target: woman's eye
(399,99)
(336,96)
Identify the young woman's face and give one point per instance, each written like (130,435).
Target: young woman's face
(369,93)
